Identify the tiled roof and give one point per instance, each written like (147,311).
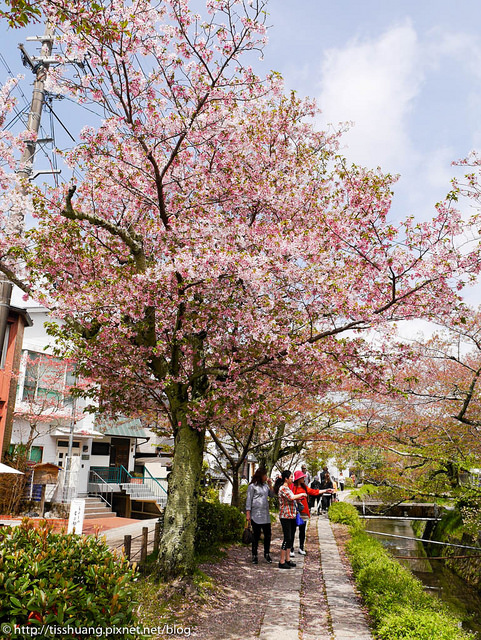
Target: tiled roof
(121,428)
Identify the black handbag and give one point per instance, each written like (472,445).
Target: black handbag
(247,535)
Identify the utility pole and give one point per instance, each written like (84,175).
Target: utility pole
(68,462)
(16,221)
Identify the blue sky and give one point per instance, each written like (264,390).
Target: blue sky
(407,74)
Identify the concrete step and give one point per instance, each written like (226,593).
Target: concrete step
(96,508)
(99,514)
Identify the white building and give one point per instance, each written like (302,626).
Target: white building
(103,451)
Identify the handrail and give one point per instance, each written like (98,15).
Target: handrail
(155,487)
(124,470)
(151,477)
(117,475)
(99,493)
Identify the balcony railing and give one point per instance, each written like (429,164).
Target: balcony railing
(111,475)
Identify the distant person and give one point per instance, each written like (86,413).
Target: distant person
(287,515)
(326,498)
(307,474)
(341,481)
(322,474)
(334,490)
(257,512)
(314,499)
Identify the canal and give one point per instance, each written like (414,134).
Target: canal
(434,574)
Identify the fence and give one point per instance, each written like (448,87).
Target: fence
(137,548)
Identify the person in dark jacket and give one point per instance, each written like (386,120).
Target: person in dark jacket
(326,497)
(314,499)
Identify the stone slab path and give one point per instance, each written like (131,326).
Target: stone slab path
(281,619)
(283,611)
(347,618)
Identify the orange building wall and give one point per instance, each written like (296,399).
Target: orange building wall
(7,377)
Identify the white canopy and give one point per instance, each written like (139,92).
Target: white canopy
(5,469)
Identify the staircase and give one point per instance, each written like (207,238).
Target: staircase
(109,480)
(144,493)
(97,508)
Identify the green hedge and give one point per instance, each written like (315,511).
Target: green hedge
(398,604)
(217,523)
(62,580)
(344,513)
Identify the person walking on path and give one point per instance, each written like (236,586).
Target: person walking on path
(307,474)
(341,481)
(257,512)
(287,515)
(326,498)
(297,488)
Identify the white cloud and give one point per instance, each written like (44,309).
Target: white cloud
(374,84)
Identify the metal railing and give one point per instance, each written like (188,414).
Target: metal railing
(96,479)
(139,487)
(112,475)
(155,487)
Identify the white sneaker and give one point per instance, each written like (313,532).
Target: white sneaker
(302,552)
(292,555)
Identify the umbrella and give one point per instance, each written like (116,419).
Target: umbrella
(5,469)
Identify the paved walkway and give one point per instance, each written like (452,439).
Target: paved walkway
(281,619)
(283,611)
(347,618)
(115,537)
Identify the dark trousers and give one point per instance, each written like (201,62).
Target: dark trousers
(326,501)
(256,531)
(302,536)
(288,529)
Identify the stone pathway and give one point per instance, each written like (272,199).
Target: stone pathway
(283,610)
(347,618)
(281,619)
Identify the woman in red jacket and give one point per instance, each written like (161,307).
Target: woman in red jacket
(299,486)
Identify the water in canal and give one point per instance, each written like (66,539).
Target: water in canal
(434,574)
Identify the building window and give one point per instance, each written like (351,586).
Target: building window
(36,454)
(62,451)
(3,357)
(47,379)
(100,448)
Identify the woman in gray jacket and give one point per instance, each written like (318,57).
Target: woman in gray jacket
(257,512)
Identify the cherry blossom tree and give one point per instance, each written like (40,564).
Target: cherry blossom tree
(216,238)
(425,426)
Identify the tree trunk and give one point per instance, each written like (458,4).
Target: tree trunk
(176,553)
(235,488)
(272,455)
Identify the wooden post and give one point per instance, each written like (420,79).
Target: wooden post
(127,546)
(143,550)
(156,537)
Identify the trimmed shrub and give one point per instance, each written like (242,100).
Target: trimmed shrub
(217,523)
(397,602)
(344,513)
(62,580)
(243,497)
(411,624)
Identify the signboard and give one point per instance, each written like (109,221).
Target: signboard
(45,473)
(76,517)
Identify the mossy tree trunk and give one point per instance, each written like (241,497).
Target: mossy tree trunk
(176,552)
